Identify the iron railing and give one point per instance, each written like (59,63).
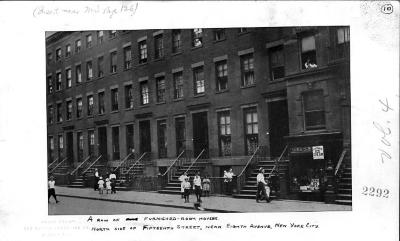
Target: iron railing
(277,162)
(136,163)
(52,170)
(191,165)
(123,162)
(79,166)
(91,164)
(52,163)
(177,162)
(339,164)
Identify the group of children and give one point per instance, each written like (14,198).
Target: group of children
(109,184)
(199,186)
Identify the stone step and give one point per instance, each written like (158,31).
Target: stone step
(343,201)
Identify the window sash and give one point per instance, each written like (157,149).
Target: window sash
(144,90)
(307,44)
(176,41)
(178,85)
(160,90)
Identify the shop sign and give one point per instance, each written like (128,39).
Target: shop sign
(301,149)
(318,152)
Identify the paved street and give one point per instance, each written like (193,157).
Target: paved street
(74,201)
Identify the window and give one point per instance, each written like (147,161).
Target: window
(247,67)
(68,74)
(162,138)
(79,136)
(251,130)
(100,36)
(113,33)
(89,70)
(197,37)
(144,93)
(142,52)
(219,34)
(78,74)
(221,72)
(308,52)
(90,105)
(91,142)
(129,138)
(101,104)
(79,108)
(127,57)
(158,46)
(224,133)
(51,149)
(114,99)
(59,112)
(69,110)
(176,41)
(100,66)
(50,84)
(178,85)
(242,30)
(89,41)
(50,114)
(198,80)
(78,46)
(180,134)
(60,146)
(113,62)
(58,81)
(314,111)
(160,85)
(128,96)
(68,50)
(58,54)
(342,41)
(115,142)
(277,63)
(49,58)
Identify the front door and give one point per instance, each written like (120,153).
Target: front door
(70,147)
(102,133)
(200,133)
(180,133)
(145,138)
(278,126)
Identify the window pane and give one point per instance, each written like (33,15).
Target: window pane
(223,130)
(255,120)
(255,129)
(248,118)
(228,129)
(249,129)
(308,44)
(222,119)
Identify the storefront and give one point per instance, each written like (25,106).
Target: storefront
(310,155)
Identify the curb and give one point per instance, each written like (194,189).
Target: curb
(147,203)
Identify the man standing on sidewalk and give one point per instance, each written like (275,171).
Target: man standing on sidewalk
(261,186)
(52,190)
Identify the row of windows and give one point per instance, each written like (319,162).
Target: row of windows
(196,34)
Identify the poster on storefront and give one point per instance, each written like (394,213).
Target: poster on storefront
(318,152)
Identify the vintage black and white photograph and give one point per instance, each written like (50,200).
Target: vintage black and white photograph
(198,120)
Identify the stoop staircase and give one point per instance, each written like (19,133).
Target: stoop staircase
(59,167)
(85,170)
(128,168)
(343,179)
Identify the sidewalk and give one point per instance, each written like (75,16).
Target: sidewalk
(213,203)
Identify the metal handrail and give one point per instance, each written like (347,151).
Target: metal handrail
(137,162)
(248,162)
(84,161)
(277,162)
(98,158)
(195,160)
(340,161)
(55,161)
(59,164)
(123,161)
(173,164)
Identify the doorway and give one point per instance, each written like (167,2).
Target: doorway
(145,138)
(70,147)
(200,133)
(278,126)
(102,132)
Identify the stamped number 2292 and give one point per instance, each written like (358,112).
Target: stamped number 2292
(375,192)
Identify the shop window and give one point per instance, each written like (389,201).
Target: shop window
(101,104)
(144,93)
(176,41)
(91,142)
(160,86)
(90,104)
(251,130)
(277,63)
(314,112)
(221,71)
(59,112)
(128,97)
(307,175)
(100,66)
(79,108)
(60,146)
(158,46)
(68,75)
(342,41)
(114,99)
(69,110)
(308,52)
(129,138)
(100,36)
(89,41)
(197,37)
(78,46)
(79,136)
(142,52)
(247,69)
(58,81)
(50,114)
(127,58)
(162,138)
(224,133)
(198,80)
(115,143)
(219,34)
(50,84)
(68,50)
(58,54)
(78,74)
(178,85)
(113,62)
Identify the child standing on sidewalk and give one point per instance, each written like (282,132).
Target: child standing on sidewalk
(186,187)
(108,185)
(101,185)
(206,186)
